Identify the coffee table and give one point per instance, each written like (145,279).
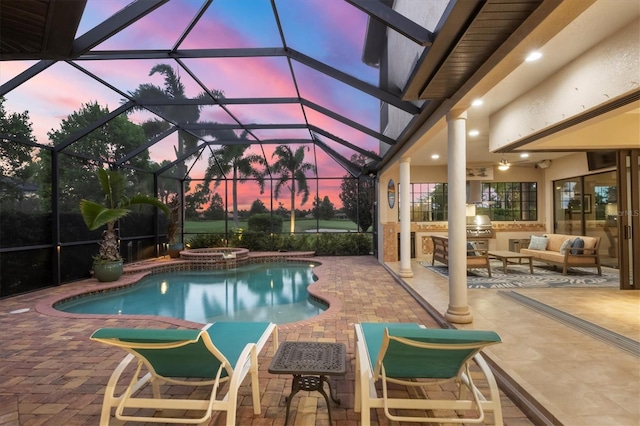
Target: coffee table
(506,255)
(310,363)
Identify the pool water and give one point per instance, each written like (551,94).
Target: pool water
(274,292)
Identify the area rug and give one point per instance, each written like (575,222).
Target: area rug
(518,276)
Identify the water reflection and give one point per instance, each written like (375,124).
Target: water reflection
(264,292)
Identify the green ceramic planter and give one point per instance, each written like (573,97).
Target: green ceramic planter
(175,249)
(107,271)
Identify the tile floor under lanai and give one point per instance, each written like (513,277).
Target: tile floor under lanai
(52,374)
(580,380)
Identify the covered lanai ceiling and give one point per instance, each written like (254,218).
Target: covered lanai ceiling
(253,72)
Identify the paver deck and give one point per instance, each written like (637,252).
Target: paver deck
(52,374)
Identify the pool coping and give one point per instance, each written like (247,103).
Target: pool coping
(134,272)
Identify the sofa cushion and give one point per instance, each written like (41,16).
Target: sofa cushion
(555,241)
(565,245)
(538,243)
(589,244)
(551,256)
(578,243)
(534,253)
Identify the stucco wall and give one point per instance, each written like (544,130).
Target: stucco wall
(607,71)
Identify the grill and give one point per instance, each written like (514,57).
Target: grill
(479,227)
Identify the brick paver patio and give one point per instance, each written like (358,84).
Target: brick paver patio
(52,374)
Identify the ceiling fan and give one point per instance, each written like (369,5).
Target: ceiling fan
(504,165)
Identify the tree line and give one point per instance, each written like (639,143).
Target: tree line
(27,175)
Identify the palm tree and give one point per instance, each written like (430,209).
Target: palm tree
(291,168)
(181,114)
(231,159)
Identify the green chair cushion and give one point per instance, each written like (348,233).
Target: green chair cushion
(374,332)
(193,359)
(404,361)
(231,337)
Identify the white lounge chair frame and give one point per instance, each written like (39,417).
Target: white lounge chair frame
(369,370)
(246,363)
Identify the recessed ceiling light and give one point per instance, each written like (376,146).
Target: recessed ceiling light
(533,56)
(435,156)
(524,155)
(477,102)
(474,132)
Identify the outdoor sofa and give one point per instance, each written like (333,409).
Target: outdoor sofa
(565,251)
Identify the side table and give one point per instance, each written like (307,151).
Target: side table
(310,363)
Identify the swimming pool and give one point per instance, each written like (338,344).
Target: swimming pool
(274,292)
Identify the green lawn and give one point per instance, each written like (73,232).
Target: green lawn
(302,225)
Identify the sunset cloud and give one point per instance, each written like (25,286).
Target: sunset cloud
(330,31)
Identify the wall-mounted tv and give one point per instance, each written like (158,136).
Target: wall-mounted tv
(597,160)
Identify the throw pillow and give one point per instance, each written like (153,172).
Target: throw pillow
(471,247)
(578,243)
(565,245)
(538,243)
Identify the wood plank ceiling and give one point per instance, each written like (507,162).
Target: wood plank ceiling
(38,29)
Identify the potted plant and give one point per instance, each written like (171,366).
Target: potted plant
(107,264)
(173,227)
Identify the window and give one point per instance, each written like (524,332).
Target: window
(500,201)
(509,200)
(429,202)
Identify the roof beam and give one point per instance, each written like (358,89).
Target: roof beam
(265,101)
(182,158)
(367,88)
(351,123)
(346,164)
(114,24)
(25,75)
(220,126)
(147,145)
(278,141)
(344,143)
(334,73)
(182,53)
(389,17)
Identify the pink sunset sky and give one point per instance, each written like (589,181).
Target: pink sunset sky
(329,31)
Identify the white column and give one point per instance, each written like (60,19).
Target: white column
(405,218)
(458,309)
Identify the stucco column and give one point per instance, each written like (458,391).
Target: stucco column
(405,218)
(458,309)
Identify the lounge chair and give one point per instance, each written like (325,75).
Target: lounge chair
(220,352)
(411,355)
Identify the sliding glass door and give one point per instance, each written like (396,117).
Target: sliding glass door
(629,218)
(588,205)
(600,206)
(567,205)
